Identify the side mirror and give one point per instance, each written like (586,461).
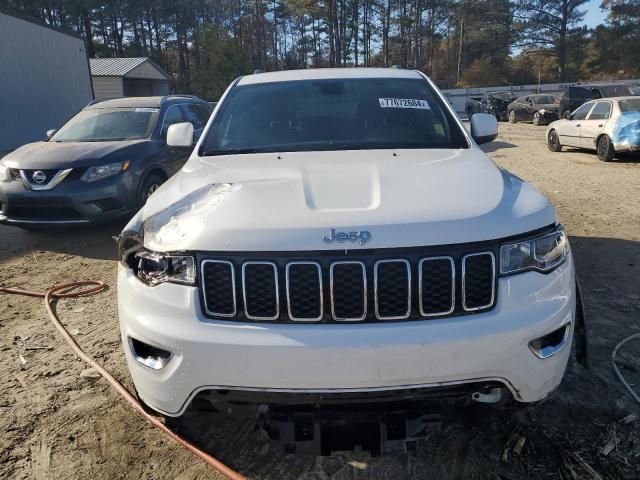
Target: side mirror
(50,133)
(180,135)
(484,127)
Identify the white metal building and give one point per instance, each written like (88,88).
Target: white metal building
(44,79)
(128,77)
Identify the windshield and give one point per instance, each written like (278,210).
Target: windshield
(337,114)
(108,124)
(619,91)
(546,100)
(631,105)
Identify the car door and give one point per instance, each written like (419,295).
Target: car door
(595,123)
(175,156)
(569,130)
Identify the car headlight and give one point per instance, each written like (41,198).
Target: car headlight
(154,268)
(103,171)
(542,254)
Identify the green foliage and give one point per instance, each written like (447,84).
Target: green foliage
(205,44)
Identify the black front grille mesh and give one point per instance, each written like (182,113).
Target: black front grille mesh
(304,291)
(479,271)
(328,288)
(437,281)
(260,283)
(349,291)
(393,289)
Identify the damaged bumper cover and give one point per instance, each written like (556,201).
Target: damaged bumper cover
(264,359)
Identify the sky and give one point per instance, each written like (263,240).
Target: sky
(594,15)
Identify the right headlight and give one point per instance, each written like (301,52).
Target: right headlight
(5,173)
(543,254)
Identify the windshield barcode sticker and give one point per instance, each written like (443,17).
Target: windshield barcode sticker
(403,103)
(149,110)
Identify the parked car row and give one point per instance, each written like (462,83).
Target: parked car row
(542,109)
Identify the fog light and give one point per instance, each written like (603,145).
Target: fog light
(551,343)
(149,356)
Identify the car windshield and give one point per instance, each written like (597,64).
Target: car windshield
(336,114)
(630,105)
(546,100)
(108,124)
(620,91)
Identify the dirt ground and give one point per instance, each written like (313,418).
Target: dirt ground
(59,422)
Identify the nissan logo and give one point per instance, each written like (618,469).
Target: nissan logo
(39,177)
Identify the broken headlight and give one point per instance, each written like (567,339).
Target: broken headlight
(154,268)
(542,254)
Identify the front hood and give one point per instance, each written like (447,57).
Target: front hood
(271,202)
(59,155)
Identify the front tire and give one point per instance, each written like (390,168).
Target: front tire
(537,119)
(512,117)
(606,152)
(150,185)
(553,141)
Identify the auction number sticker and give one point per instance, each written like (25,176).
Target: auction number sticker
(147,110)
(404,103)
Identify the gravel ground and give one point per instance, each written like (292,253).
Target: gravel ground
(58,421)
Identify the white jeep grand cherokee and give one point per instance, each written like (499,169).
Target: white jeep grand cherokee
(338,235)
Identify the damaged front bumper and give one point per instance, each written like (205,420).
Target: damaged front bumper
(384,359)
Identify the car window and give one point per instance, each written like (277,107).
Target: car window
(578,93)
(108,124)
(619,90)
(521,100)
(172,115)
(581,113)
(332,114)
(630,105)
(546,100)
(196,114)
(602,111)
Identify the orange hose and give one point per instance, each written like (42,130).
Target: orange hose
(68,290)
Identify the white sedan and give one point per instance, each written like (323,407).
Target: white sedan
(607,125)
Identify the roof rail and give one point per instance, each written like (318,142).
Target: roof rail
(97,100)
(257,71)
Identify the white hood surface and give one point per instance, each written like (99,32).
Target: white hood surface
(289,201)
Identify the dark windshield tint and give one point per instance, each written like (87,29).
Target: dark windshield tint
(108,124)
(545,100)
(619,91)
(341,114)
(631,105)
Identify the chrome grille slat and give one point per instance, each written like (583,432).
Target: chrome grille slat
(206,278)
(320,293)
(473,285)
(246,291)
(332,284)
(379,297)
(451,285)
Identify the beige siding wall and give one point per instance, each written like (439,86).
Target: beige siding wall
(107,87)
(44,80)
(146,70)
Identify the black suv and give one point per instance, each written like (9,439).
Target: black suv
(100,165)
(579,94)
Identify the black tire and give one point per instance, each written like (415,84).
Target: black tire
(150,184)
(537,119)
(606,152)
(553,141)
(512,117)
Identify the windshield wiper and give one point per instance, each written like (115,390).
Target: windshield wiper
(232,151)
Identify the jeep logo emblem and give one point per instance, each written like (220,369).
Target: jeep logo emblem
(39,177)
(361,237)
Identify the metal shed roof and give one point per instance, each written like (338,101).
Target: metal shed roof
(120,67)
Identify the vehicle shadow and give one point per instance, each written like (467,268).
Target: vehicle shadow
(90,241)
(496,145)
(624,157)
(491,441)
